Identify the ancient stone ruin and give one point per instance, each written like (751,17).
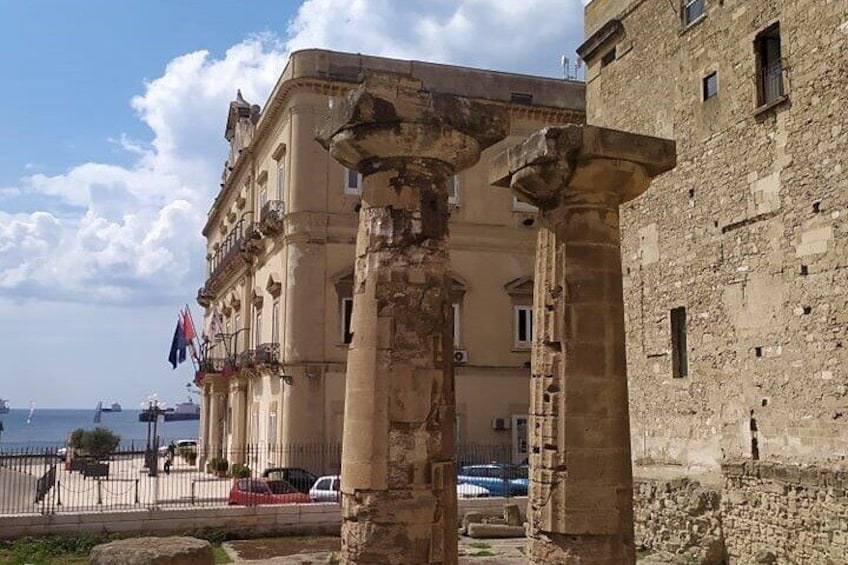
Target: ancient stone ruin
(581,502)
(398,463)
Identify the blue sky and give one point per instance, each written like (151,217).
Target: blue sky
(114,115)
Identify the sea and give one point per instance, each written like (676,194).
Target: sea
(49,428)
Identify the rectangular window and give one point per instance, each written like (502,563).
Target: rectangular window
(679,358)
(692,11)
(608,58)
(710,85)
(353,181)
(453,189)
(281,180)
(235,336)
(275,322)
(271,433)
(347,315)
(263,197)
(456,340)
(769,65)
(257,329)
(523,326)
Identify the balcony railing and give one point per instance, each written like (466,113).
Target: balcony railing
(268,354)
(239,241)
(771,82)
(271,216)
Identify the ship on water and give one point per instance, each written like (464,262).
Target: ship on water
(183,411)
(4,406)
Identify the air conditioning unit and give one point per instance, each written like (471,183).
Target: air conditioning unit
(500,424)
(460,357)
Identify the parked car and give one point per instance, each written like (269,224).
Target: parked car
(301,479)
(328,489)
(467,490)
(163,449)
(251,492)
(500,479)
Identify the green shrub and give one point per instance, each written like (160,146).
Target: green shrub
(240,471)
(219,465)
(98,443)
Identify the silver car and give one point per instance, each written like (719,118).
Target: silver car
(328,489)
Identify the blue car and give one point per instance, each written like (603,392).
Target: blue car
(498,478)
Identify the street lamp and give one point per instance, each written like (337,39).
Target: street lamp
(151,410)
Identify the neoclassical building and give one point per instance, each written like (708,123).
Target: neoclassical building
(280,252)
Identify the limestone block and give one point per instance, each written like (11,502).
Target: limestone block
(512,515)
(153,551)
(495,531)
(471,518)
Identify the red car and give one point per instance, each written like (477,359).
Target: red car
(250,492)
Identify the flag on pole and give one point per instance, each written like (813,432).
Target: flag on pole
(178,346)
(188,325)
(189,332)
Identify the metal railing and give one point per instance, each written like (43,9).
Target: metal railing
(771,82)
(692,10)
(51,481)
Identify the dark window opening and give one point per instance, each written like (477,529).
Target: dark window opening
(679,357)
(758,351)
(808,309)
(816,207)
(347,315)
(608,58)
(692,11)
(804,270)
(521,98)
(755,444)
(769,65)
(710,85)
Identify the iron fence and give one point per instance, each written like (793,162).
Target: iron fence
(47,480)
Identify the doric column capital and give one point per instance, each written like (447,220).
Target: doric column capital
(559,164)
(390,122)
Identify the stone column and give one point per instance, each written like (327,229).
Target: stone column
(398,465)
(238,399)
(581,489)
(217,392)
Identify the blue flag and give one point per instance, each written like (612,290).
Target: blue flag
(178,347)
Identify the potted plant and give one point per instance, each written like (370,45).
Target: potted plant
(240,471)
(219,466)
(189,454)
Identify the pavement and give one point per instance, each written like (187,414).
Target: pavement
(471,551)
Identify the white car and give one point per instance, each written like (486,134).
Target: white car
(179,444)
(328,489)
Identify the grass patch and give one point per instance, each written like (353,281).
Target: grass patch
(219,554)
(67,550)
(484,553)
(480,545)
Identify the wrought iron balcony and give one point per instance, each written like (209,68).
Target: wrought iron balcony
(271,217)
(268,354)
(246,359)
(240,244)
(213,365)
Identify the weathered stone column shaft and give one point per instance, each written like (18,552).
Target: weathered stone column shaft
(398,468)
(580,509)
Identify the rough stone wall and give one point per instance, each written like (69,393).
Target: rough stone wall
(679,517)
(748,233)
(775,513)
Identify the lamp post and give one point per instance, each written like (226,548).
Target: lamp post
(152,409)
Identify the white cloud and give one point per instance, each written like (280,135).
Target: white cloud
(131,234)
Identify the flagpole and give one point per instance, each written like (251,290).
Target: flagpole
(195,359)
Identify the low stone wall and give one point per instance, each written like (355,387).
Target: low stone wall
(679,517)
(775,513)
(252,521)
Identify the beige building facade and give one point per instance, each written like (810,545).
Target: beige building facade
(281,237)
